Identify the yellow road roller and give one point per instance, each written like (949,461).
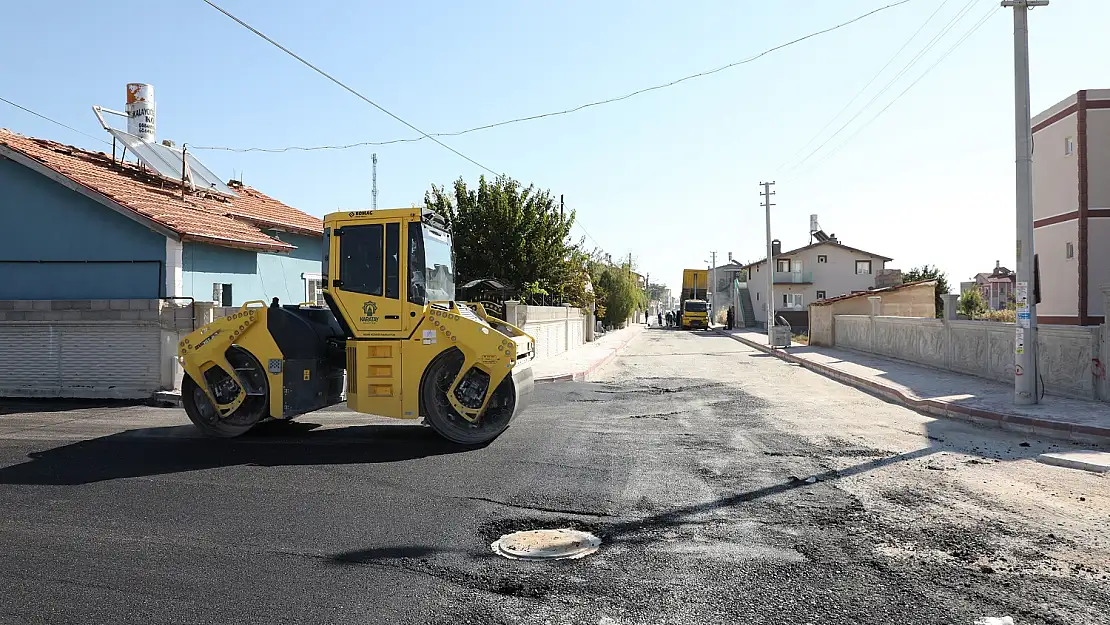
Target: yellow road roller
(392,339)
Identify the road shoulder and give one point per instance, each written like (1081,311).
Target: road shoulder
(946,393)
(575,365)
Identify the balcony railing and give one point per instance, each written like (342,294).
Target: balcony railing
(793,277)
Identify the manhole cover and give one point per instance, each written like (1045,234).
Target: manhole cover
(560,544)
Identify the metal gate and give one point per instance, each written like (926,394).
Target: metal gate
(107,359)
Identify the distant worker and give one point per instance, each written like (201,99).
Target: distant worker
(670,318)
(660,316)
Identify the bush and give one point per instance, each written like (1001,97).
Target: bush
(972,304)
(1005,316)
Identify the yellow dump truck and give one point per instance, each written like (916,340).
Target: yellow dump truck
(693,307)
(391,324)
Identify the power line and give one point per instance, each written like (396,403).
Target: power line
(296,148)
(517,120)
(344,86)
(53,121)
(928,46)
(368,100)
(864,89)
(950,50)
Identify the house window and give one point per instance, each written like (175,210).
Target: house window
(822,258)
(221,294)
(782,264)
(1069,146)
(863,267)
(313,289)
(791,300)
(1069,250)
(820,295)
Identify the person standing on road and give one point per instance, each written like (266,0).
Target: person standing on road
(660,316)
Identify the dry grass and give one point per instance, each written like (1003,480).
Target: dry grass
(1005,316)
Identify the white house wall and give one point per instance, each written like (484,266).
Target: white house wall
(1059,275)
(835,277)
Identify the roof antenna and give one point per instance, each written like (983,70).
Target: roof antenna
(374,177)
(184,169)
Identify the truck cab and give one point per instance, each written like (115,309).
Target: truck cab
(695,314)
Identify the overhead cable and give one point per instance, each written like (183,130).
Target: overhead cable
(864,89)
(950,50)
(53,121)
(928,46)
(567,111)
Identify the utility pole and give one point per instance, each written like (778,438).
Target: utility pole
(767,193)
(1025,331)
(713,281)
(374,182)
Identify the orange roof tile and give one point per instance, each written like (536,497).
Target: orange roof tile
(255,206)
(229,222)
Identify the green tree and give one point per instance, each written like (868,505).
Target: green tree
(972,303)
(615,289)
(930,272)
(515,234)
(656,291)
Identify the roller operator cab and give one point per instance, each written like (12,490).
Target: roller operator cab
(391,323)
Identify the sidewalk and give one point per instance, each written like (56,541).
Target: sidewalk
(946,393)
(581,361)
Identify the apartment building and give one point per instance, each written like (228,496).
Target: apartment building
(1071,207)
(821,270)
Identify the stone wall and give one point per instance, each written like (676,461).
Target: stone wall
(557,329)
(1068,356)
(917,300)
(118,348)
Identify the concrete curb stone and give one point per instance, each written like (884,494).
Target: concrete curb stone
(939,408)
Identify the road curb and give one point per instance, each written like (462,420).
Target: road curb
(938,408)
(580,376)
(166,399)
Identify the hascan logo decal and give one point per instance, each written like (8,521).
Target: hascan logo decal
(368,309)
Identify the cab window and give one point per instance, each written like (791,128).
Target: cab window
(360,261)
(392,260)
(417,293)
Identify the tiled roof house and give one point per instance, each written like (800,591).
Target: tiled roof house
(77,224)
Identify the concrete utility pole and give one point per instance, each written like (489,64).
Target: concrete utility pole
(1025,331)
(713,281)
(770,303)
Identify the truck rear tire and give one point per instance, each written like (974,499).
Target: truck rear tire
(446,421)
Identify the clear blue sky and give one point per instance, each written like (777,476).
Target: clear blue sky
(667,176)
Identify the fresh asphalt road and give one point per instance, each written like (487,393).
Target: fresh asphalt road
(692,456)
